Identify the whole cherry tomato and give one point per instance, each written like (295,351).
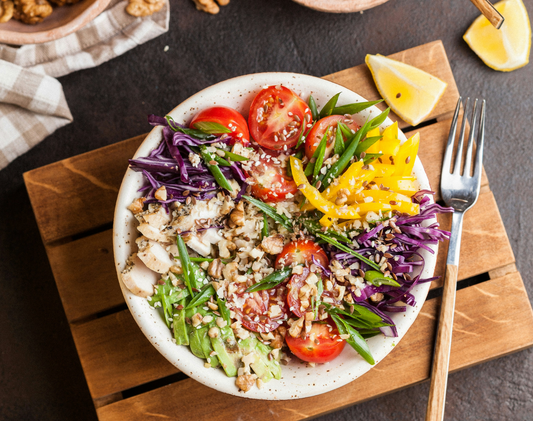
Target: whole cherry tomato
(227,117)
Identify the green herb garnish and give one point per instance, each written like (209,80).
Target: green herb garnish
(270,211)
(272,280)
(354,108)
(220,178)
(203,296)
(347,249)
(339,166)
(377,279)
(327,110)
(210,127)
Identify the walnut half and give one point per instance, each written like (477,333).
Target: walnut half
(139,8)
(210,6)
(31,11)
(6,10)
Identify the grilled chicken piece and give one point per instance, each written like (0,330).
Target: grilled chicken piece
(154,256)
(138,278)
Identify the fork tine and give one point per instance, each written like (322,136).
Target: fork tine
(480,141)
(468,159)
(459,155)
(447,160)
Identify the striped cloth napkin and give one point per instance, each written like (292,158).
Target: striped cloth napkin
(32,102)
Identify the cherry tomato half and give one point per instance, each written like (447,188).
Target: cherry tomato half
(320,346)
(317,133)
(301,251)
(277,117)
(257,313)
(271,182)
(228,117)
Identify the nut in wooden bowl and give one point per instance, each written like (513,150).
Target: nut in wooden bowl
(340,6)
(43,24)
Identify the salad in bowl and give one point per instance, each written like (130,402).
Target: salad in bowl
(275,235)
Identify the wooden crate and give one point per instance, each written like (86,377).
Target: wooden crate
(128,379)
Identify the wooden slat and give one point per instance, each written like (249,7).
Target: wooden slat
(429,57)
(116,356)
(79,193)
(494,309)
(85,275)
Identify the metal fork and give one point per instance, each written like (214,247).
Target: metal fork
(460,190)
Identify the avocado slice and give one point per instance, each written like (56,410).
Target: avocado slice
(228,351)
(261,365)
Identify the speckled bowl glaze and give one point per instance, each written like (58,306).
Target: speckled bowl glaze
(298,381)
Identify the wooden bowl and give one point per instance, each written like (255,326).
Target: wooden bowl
(340,6)
(62,22)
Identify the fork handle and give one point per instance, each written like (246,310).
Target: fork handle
(441,357)
(490,12)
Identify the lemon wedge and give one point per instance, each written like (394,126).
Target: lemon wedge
(410,92)
(507,48)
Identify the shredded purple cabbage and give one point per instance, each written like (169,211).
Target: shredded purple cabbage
(405,257)
(168,165)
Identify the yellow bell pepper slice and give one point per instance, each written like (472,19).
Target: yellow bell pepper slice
(372,207)
(404,185)
(375,147)
(384,196)
(406,156)
(314,196)
(326,221)
(348,180)
(391,132)
(383,170)
(407,207)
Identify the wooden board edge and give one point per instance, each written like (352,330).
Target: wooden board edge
(464,342)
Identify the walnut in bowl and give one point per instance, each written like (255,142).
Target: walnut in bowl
(49,26)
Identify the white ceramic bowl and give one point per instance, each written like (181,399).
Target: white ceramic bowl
(298,380)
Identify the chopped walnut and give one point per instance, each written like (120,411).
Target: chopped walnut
(273,244)
(215,269)
(296,327)
(6,10)
(210,6)
(378,296)
(342,197)
(31,11)
(230,271)
(245,382)
(225,247)
(236,217)
(140,8)
(161,193)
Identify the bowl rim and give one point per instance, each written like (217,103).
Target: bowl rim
(340,6)
(40,37)
(148,319)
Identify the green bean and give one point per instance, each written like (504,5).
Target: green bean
(214,169)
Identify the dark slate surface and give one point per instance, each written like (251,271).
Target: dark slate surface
(40,374)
